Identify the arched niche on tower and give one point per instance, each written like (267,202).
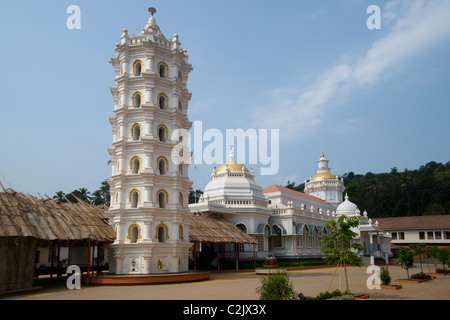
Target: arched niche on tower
(136,99)
(136,131)
(162,69)
(134,197)
(134,232)
(162,198)
(137,67)
(162,232)
(162,165)
(135,164)
(162,100)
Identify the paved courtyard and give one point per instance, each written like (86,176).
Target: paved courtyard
(243,285)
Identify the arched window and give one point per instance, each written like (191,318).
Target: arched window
(180,77)
(242,227)
(162,133)
(163,100)
(134,233)
(180,106)
(136,131)
(180,232)
(180,168)
(161,234)
(137,67)
(135,164)
(276,241)
(162,166)
(163,69)
(137,99)
(162,197)
(134,198)
(180,198)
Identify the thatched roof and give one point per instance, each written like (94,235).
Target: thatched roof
(216,229)
(50,220)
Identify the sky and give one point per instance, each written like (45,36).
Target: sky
(369,99)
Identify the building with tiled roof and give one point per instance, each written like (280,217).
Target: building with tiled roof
(431,230)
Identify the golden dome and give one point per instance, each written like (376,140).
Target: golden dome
(320,175)
(232,166)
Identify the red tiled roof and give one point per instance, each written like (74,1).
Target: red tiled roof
(416,222)
(275,188)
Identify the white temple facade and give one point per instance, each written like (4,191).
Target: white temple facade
(284,222)
(149,192)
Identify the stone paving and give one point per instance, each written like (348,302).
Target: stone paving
(243,285)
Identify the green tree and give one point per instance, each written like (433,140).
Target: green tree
(406,259)
(82,194)
(194,195)
(102,195)
(418,249)
(291,185)
(60,196)
(443,256)
(276,286)
(339,243)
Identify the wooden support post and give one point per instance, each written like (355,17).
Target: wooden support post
(58,271)
(52,253)
(68,258)
(98,258)
(254,257)
(88,260)
(218,264)
(237,258)
(195,257)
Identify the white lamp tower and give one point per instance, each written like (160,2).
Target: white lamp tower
(149,192)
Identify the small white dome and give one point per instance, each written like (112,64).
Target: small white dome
(347,208)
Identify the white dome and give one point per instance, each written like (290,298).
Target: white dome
(347,208)
(233,186)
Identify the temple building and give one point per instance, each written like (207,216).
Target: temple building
(283,222)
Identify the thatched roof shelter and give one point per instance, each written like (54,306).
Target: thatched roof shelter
(215,229)
(52,221)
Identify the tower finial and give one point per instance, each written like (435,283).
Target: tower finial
(231,153)
(323,155)
(152,10)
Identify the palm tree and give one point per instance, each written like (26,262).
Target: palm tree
(60,196)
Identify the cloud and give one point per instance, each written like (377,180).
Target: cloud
(415,26)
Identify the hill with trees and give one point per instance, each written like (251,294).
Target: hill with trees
(424,191)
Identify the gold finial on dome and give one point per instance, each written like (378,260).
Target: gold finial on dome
(323,155)
(231,165)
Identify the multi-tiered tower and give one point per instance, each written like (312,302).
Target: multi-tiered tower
(149,191)
(324,184)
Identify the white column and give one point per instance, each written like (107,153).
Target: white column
(372,258)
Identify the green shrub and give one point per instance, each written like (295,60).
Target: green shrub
(420,275)
(329,295)
(385,276)
(343,297)
(276,286)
